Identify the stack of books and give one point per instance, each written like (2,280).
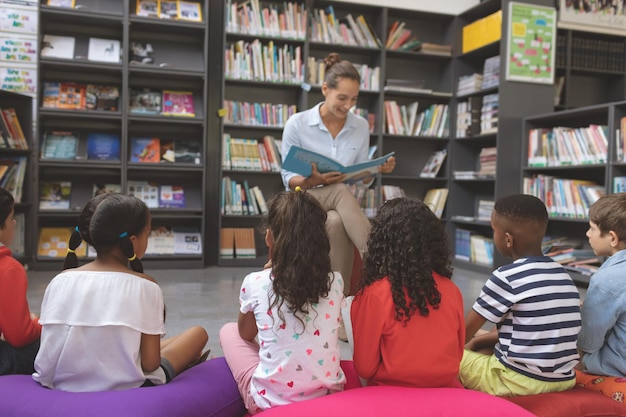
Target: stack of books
(237,243)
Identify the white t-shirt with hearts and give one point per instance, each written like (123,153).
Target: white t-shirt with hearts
(298,360)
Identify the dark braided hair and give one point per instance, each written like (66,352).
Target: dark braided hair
(407,243)
(108,220)
(300,252)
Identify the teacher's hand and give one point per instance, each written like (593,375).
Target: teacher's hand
(316,178)
(388,166)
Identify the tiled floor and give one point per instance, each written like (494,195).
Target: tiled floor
(209,297)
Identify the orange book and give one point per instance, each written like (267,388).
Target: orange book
(72,96)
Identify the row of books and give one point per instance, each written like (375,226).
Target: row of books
(399,38)
(325,27)
(473,247)
(65,145)
(11,133)
(241,199)
(251,154)
(561,146)
(404,120)
(486,166)
(571,254)
(489,113)
(165,102)
(170,9)
(490,78)
(620,138)
(163,240)
(482,32)
(564,197)
(286,20)
(99,49)
(619,184)
(155,150)
(237,243)
(56,195)
(364,113)
(74,96)
(268,62)
(370,76)
(12,174)
(366,197)
(597,54)
(257,114)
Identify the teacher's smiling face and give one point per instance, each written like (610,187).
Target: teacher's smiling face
(339,100)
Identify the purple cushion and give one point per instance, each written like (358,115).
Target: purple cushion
(400,401)
(206,390)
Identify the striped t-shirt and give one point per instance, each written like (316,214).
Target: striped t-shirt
(536,307)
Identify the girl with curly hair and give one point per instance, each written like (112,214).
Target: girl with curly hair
(407,317)
(293,308)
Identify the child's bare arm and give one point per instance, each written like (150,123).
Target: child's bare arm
(473,322)
(247,326)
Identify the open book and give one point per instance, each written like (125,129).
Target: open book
(299,160)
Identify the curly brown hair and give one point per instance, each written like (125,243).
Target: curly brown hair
(300,253)
(406,244)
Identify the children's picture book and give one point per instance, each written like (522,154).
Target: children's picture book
(101,188)
(171,196)
(299,160)
(187,151)
(55,195)
(145,101)
(149,8)
(141,53)
(178,103)
(433,164)
(103,146)
(59,145)
(145,150)
(168,9)
(62,3)
(102,97)
(187,240)
(167,151)
(58,46)
(50,94)
(53,243)
(161,241)
(189,10)
(145,191)
(72,96)
(104,50)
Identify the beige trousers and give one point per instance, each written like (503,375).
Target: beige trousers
(347,227)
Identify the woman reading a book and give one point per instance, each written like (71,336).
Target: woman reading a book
(330,129)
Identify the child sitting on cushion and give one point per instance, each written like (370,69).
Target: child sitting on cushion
(536,308)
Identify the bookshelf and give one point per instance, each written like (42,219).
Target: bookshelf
(23,106)
(591,67)
(176,60)
(610,115)
(516,100)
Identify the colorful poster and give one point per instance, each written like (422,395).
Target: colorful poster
(596,16)
(531,43)
(19,19)
(18,80)
(20,50)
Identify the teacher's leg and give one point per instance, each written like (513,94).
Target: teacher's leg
(341,248)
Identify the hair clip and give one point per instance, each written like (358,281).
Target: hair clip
(71,251)
(123,235)
(132,258)
(76,228)
(298,189)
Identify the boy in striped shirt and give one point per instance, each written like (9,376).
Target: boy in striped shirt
(535,306)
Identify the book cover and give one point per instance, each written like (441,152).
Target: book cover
(62,3)
(103,146)
(178,103)
(148,8)
(145,150)
(58,46)
(187,151)
(168,153)
(433,164)
(102,97)
(53,243)
(71,96)
(55,195)
(104,50)
(141,53)
(187,240)
(145,101)
(101,188)
(171,196)
(145,191)
(59,145)
(168,9)
(299,160)
(161,241)
(189,10)
(50,94)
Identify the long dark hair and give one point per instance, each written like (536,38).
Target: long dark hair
(300,253)
(7,203)
(109,220)
(407,243)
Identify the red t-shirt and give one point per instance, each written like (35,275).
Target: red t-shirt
(426,353)
(16,325)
